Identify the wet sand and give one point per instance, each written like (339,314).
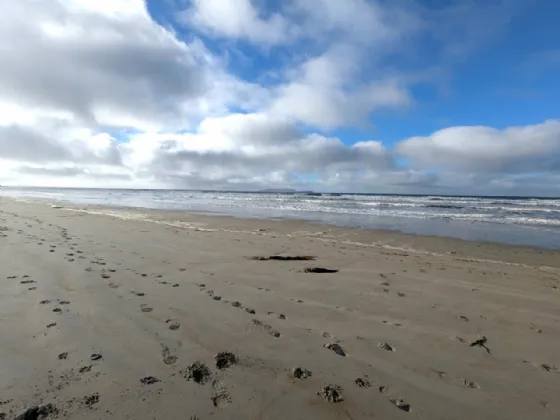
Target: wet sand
(136,314)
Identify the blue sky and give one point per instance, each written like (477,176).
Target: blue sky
(404,96)
(506,78)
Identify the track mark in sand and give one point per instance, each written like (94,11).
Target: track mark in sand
(32,288)
(173,324)
(236,304)
(336,348)
(63,356)
(105,276)
(167,357)
(386,346)
(139,293)
(455,380)
(250,311)
(146,308)
(280,316)
(175,285)
(85,369)
(362,383)
(96,356)
(549,368)
(197,372)
(113,285)
(320,270)
(267,328)
(217,297)
(534,328)
(57,310)
(331,393)
(225,359)
(64,302)
(301,373)
(463,318)
(52,324)
(91,400)
(27,281)
(37,412)
(220,395)
(400,404)
(149,380)
(481,342)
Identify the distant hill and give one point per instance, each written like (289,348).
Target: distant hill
(278,190)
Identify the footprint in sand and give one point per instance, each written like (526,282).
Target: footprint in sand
(331,393)
(63,356)
(236,304)
(217,297)
(146,308)
(271,331)
(105,276)
(336,348)
(301,373)
(173,324)
(139,293)
(167,357)
(457,381)
(549,368)
(225,359)
(197,372)
(96,356)
(220,395)
(362,383)
(400,404)
(52,324)
(149,380)
(386,346)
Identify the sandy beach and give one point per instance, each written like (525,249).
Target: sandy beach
(138,314)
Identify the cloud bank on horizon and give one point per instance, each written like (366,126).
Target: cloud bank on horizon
(357,95)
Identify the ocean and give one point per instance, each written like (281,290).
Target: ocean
(514,220)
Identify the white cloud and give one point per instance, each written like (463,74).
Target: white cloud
(95,93)
(533,148)
(239,19)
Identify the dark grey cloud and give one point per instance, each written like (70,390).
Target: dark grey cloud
(27,145)
(99,67)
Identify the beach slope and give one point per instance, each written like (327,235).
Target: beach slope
(137,314)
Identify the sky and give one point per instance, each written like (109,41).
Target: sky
(372,96)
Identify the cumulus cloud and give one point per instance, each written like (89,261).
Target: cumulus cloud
(534,148)
(239,19)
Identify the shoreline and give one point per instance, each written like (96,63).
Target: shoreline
(377,238)
(542,232)
(123,314)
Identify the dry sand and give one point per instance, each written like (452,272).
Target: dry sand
(120,315)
